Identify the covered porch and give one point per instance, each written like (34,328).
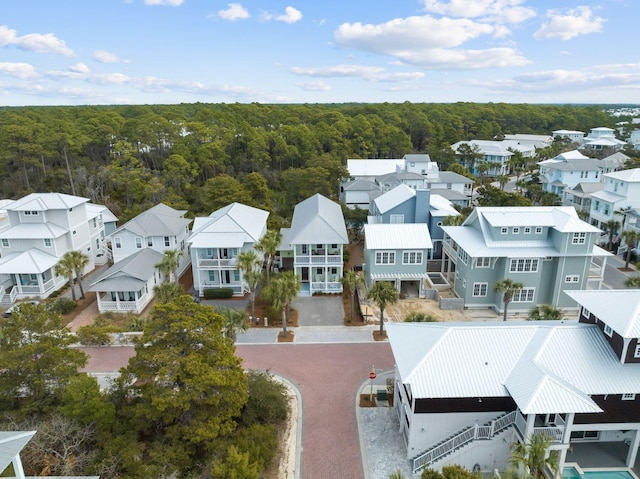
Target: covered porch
(123,301)
(28,274)
(407,284)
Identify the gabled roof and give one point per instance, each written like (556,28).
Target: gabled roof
(107,216)
(397,236)
(160,220)
(360,185)
(34,231)
(617,160)
(32,261)
(231,226)
(394,197)
(451,195)
(318,220)
(129,274)
(377,167)
(584,189)
(11,443)
(46,201)
(545,366)
(630,176)
(624,318)
(449,177)
(440,205)
(399,176)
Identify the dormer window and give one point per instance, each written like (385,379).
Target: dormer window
(504,231)
(579,238)
(608,330)
(629,397)
(31,213)
(5,243)
(636,353)
(515,230)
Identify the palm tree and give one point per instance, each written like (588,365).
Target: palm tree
(352,280)
(269,245)
(508,287)
(502,180)
(633,282)
(78,260)
(383,293)
(249,263)
(167,292)
(454,220)
(534,457)
(545,312)
(281,292)
(169,264)
(611,227)
(630,238)
(234,320)
(65,268)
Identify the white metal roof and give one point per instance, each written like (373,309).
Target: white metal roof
(377,167)
(32,261)
(397,236)
(129,274)
(160,220)
(33,231)
(394,197)
(608,196)
(11,443)
(632,175)
(318,220)
(441,206)
(551,366)
(624,318)
(46,201)
(107,215)
(245,222)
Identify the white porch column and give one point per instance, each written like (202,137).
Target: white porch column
(604,265)
(531,419)
(633,449)
(17,467)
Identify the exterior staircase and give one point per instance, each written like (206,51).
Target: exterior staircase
(460,439)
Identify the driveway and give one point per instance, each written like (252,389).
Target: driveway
(319,311)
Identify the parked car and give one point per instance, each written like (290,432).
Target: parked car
(13,307)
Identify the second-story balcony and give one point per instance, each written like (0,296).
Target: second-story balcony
(216,262)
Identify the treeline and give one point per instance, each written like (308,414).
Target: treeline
(203,156)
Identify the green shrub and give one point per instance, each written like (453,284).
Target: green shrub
(267,401)
(63,306)
(93,335)
(420,317)
(218,293)
(136,323)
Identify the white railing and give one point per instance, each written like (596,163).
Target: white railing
(36,288)
(464,437)
(119,306)
(554,433)
(328,259)
(8,298)
(321,286)
(236,287)
(595,270)
(216,262)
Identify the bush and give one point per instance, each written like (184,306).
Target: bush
(63,306)
(136,324)
(419,317)
(267,401)
(94,335)
(218,293)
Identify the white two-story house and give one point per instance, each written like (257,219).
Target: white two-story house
(621,192)
(217,240)
(567,170)
(39,229)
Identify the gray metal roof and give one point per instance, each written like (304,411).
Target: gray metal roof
(624,318)
(46,201)
(107,215)
(318,220)
(247,221)
(160,220)
(34,231)
(609,196)
(11,443)
(360,185)
(134,270)
(550,366)
(394,197)
(32,261)
(397,236)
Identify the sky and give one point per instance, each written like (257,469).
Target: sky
(96,52)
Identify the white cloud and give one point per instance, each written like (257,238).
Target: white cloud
(429,42)
(104,56)
(234,12)
(576,21)
(79,68)
(396,77)
(35,42)
(316,85)
(337,71)
(291,15)
(19,70)
(170,3)
(508,11)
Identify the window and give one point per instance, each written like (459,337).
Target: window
(538,230)
(527,230)
(150,242)
(585,313)
(334,246)
(463,256)
(483,262)
(182,245)
(304,249)
(167,241)
(319,246)
(97,243)
(464,283)
(396,219)
(138,243)
(636,353)
(47,243)
(212,275)
(504,231)
(579,238)
(585,434)
(515,230)
(5,243)
(524,295)
(74,232)
(236,275)
(31,213)
(628,397)
(412,257)
(385,257)
(480,289)
(318,270)
(572,278)
(608,330)
(334,270)
(596,205)
(524,265)
(117,242)
(95,224)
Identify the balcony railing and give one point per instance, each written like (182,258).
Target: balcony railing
(311,259)
(9,298)
(217,262)
(122,306)
(36,288)
(237,288)
(328,287)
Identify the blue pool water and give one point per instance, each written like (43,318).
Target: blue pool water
(572,473)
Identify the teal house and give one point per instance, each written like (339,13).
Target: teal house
(548,249)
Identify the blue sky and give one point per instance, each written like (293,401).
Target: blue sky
(77,52)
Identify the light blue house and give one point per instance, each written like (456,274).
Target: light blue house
(546,248)
(567,170)
(397,253)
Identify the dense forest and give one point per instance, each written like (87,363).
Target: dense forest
(202,156)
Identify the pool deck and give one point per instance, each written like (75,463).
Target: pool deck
(594,455)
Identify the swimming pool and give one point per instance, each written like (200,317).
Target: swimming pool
(573,473)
